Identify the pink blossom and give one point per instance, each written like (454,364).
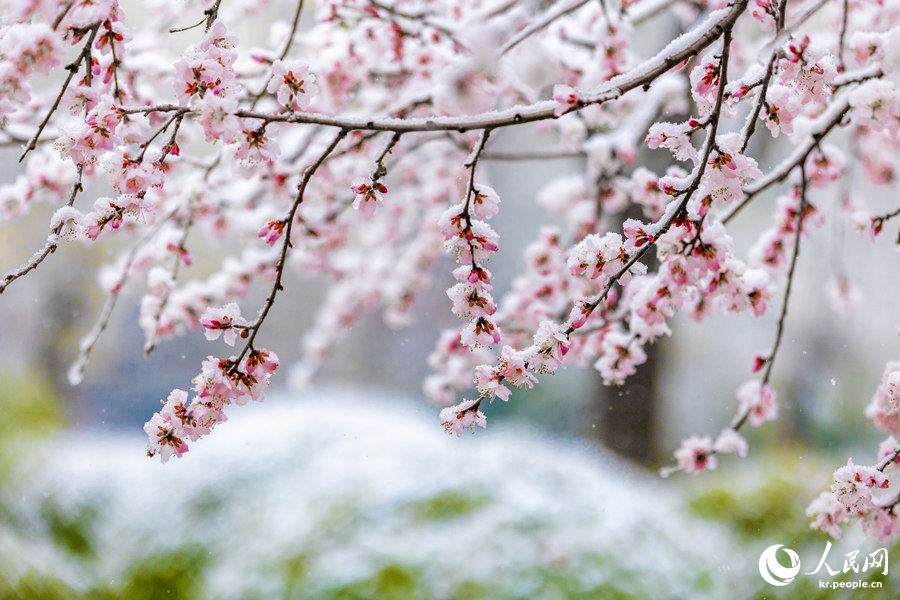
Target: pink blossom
(827,514)
(471,302)
(764,12)
(757,401)
(477,276)
(567,98)
(809,68)
(86,142)
(271,232)
(514,367)
(730,442)
(293,85)
(884,408)
(368,197)
(597,256)
(481,331)
(705,85)
(621,355)
(485,202)
(165,428)
(254,147)
(673,137)
(464,415)
(876,104)
(783,107)
(31,47)
(695,455)
(853,485)
(215,114)
(551,344)
(226,319)
(489,382)
(260,362)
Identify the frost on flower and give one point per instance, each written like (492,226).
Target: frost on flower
(876,104)
(485,202)
(827,514)
(464,415)
(598,256)
(567,98)
(220,382)
(853,485)
(551,344)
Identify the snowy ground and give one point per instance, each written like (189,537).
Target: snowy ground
(340,492)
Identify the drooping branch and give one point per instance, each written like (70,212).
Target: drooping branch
(52,240)
(253,328)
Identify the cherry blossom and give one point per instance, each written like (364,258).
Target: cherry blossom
(464,415)
(154,141)
(293,85)
(226,319)
(368,197)
(757,401)
(695,455)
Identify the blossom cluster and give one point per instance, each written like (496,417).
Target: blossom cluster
(220,382)
(161,142)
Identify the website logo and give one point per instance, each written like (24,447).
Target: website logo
(775,572)
(772,571)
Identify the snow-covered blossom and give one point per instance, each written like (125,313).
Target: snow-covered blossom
(551,344)
(485,202)
(31,47)
(596,256)
(853,485)
(809,68)
(165,428)
(566,98)
(673,137)
(827,514)
(783,106)
(293,85)
(876,104)
(208,67)
(464,415)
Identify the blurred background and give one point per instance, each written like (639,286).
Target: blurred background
(352,490)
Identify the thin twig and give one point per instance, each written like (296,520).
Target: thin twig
(779,332)
(284,52)
(72,68)
(281,263)
(51,244)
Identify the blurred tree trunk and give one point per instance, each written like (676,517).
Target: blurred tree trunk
(625,416)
